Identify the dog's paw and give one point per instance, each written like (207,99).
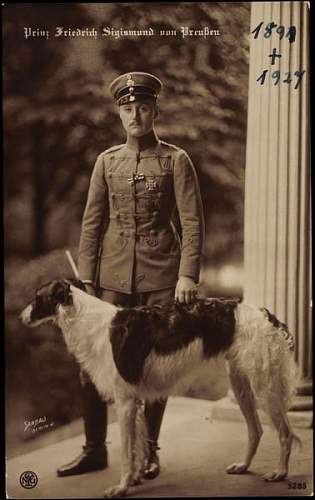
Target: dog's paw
(115,492)
(276,475)
(135,480)
(237,468)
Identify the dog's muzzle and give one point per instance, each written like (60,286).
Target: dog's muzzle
(25,316)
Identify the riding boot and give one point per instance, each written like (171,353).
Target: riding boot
(94,455)
(154,414)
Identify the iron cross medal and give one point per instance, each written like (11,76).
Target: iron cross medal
(150,184)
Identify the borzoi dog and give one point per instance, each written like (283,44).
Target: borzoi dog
(145,353)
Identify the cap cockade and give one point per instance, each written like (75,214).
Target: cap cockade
(134,87)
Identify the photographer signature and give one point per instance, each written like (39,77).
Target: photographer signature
(38,424)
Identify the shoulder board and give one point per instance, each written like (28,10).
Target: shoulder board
(172,146)
(113,148)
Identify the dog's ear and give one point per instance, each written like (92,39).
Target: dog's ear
(77,283)
(61,293)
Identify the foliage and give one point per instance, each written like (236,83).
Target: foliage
(42,378)
(60,115)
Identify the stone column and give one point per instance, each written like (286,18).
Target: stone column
(277,234)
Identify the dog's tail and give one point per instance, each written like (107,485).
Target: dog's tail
(263,351)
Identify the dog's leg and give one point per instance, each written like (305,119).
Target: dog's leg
(246,400)
(286,437)
(126,416)
(141,444)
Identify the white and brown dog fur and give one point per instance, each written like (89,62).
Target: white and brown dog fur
(146,353)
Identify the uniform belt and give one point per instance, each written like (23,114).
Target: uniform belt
(151,237)
(145,215)
(129,232)
(152,233)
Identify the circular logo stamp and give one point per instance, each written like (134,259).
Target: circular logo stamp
(28,479)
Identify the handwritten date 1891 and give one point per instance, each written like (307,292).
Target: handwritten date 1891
(281,31)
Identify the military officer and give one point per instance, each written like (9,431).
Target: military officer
(130,252)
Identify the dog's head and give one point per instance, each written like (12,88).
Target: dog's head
(47,299)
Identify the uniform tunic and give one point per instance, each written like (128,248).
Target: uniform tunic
(128,240)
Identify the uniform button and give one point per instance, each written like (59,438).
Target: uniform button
(113,195)
(155,213)
(140,277)
(153,232)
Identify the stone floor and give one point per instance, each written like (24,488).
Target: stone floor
(197,443)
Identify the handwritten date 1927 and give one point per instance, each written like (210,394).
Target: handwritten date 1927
(276,75)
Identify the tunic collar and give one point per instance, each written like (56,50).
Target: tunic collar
(140,144)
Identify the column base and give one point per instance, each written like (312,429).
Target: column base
(300,412)
(305,388)
(302,403)
(303,400)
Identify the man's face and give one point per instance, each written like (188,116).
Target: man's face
(138,117)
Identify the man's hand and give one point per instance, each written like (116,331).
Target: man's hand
(186,290)
(90,289)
